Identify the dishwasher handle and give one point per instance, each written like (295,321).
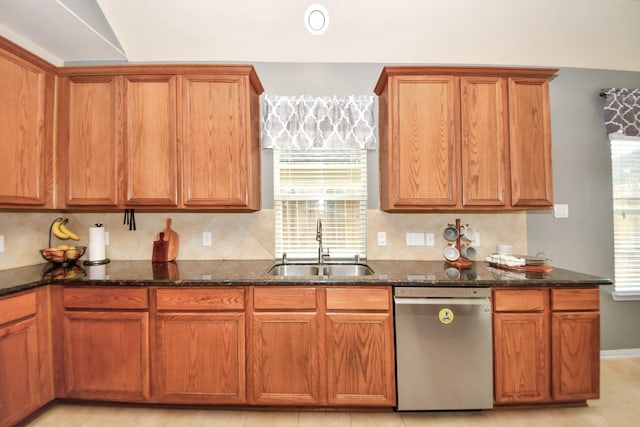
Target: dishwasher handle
(441,301)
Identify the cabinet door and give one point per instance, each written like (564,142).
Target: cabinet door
(424,150)
(530,142)
(106,355)
(285,359)
(360,359)
(575,355)
(521,353)
(201,357)
(26,133)
(220,143)
(485,150)
(150,141)
(89,140)
(19,371)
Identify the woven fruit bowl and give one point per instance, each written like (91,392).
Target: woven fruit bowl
(63,255)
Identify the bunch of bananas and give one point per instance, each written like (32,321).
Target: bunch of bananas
(60,230)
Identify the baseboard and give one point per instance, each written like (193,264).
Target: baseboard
(619,354)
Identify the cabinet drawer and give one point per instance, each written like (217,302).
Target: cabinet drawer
(284,298)
(520,299)
(105,298)
(372,298)
(17,307)
(575,299)
(222,299)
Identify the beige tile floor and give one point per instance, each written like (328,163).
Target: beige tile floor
(619,405)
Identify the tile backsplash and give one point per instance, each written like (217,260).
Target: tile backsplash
(245,236)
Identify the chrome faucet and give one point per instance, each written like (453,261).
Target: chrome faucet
(321,254)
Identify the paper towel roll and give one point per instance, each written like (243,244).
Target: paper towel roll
(97,247)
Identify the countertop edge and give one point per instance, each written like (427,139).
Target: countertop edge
(400,273)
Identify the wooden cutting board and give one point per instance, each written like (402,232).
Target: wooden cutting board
(165,247)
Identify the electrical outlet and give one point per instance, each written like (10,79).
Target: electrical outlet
(106,238)
(1,243)
(206,238)
(382,238)
(415,239)
(430,239)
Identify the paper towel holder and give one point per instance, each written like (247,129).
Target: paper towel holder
(99,261)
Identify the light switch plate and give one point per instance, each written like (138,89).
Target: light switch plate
(1,243)
(430,239)
(415,239)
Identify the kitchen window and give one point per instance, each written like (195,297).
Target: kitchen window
(320,171)
(625,167)
(326,184)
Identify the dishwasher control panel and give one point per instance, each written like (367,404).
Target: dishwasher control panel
(441,292)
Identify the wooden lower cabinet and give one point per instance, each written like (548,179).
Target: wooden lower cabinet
(360,350)
(360,359)
(286,344)
(521,361)
(199,349)
(25,360)
(322,346)
(546,345)
(105,343)
(575,340)
(106,355)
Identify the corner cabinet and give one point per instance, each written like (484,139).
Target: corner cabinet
(27,85)
(174,137)
(546,345)
(25,355)
(454,138)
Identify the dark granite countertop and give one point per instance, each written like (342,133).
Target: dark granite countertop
(254,272)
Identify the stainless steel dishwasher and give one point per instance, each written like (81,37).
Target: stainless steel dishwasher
(443,348)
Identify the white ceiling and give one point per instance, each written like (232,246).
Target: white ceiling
(560,33)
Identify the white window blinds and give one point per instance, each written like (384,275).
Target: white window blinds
(625,167)
(326,184)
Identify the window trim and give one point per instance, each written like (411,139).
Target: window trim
(622,292)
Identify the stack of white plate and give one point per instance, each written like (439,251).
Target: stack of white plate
(503,249)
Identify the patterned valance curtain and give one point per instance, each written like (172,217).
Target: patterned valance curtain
(622,111)
(318,122)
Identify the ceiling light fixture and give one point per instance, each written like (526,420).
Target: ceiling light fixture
(316,19)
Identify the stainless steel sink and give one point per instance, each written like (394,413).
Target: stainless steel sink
(347,270)
(295,270)
(328,269)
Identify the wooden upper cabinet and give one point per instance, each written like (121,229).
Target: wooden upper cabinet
(150,141)
(159,136)
(220,146)
(89,140)
(421,168)
(530,142)
(485,143)
(26,134)
(455,138)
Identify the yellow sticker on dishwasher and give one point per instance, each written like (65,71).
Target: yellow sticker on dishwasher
(446,316)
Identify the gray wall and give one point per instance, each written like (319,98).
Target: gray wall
(582,179)
(581,171)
